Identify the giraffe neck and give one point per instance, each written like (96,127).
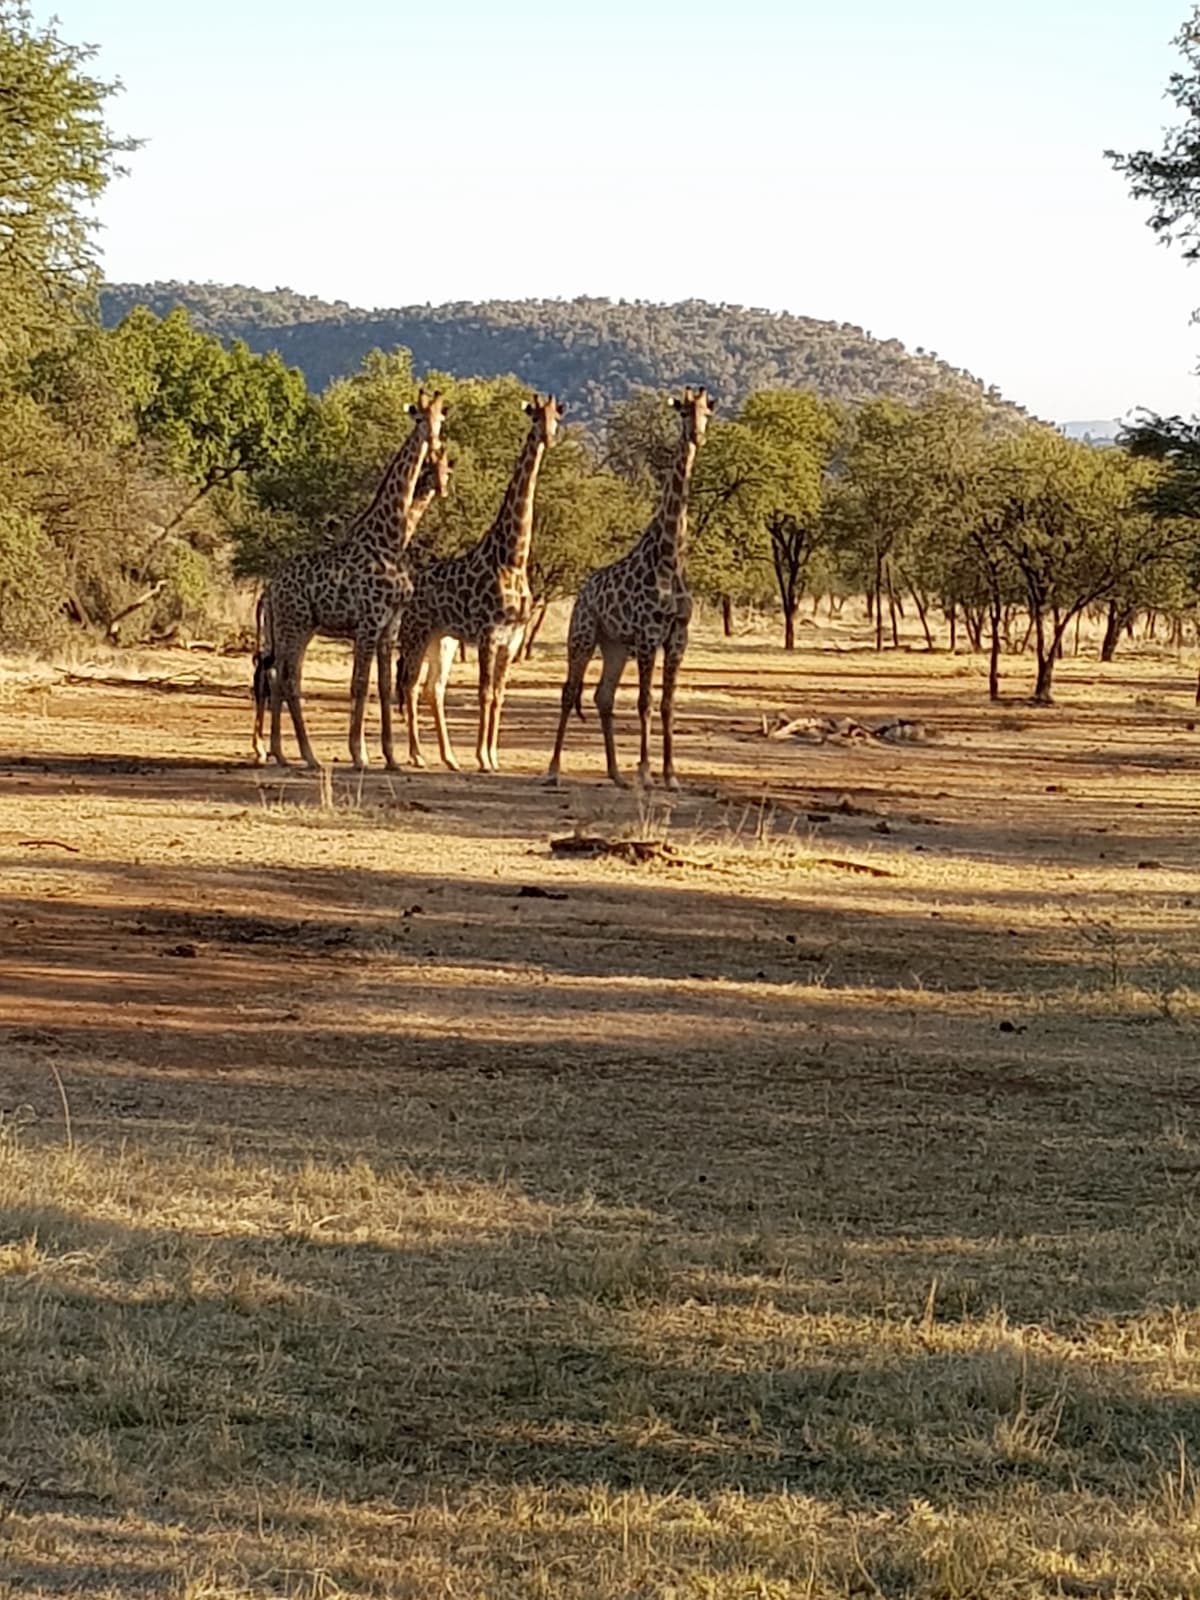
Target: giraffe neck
(666,537)
(421,501)
(511,534)
(388,517)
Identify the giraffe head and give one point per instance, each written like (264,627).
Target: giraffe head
(435,475)
(429,412)
(695,409)
(545,413)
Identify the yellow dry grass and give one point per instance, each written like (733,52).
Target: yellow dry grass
(737,1224)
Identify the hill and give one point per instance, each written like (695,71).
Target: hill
(1103,431)
(590,352)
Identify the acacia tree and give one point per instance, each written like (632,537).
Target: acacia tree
(1169,179)
(798,435)
(57,155)
(882,498)
(1071,522)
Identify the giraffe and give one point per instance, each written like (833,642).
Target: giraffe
(353,589)
(636,606)
(481,597)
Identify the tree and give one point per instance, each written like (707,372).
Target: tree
(1071,522)
(57,155)
(801,435)
(882,499)
(1170,178)
(212,413)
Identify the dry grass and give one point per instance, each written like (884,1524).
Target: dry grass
(731,1225)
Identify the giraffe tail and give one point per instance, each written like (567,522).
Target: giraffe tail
(264,660)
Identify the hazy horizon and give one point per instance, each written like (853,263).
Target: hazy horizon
(939,180)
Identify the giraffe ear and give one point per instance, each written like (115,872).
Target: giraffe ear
(677,404)
(528,409)
(413,412)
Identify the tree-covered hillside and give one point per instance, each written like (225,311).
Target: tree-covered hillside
(593,353)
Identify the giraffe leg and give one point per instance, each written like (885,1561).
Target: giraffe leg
(360,682)
(504,658)
(289,685)
(487,678)
(672,656)
(615,656)
(277,715)
(264,662)
(440,660)
(408,673)
(383,674)
(645,665)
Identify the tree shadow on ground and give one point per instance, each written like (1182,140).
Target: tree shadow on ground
(518,1359)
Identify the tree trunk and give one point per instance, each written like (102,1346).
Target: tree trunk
(892,614)
(878,602)
(77,611)
(994,656)
(152,593)
(1113,623)
(923,613)
(1046,655)
(789,626)
(534,628)
(952,619)
(727,616)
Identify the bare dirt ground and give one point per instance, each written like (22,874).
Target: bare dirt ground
(440,1216)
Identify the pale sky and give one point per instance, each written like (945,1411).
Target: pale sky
(932,172)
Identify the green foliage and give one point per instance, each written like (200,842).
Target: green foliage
(584,517)
(1071,524)
(583,513)
(31,579)
(212,412)
(57,155)
(189,574)
(1170,178)
(595,354)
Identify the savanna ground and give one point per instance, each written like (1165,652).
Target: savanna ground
(735,1224)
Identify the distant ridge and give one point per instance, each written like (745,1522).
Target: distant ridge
(1102,432)
(591,352)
